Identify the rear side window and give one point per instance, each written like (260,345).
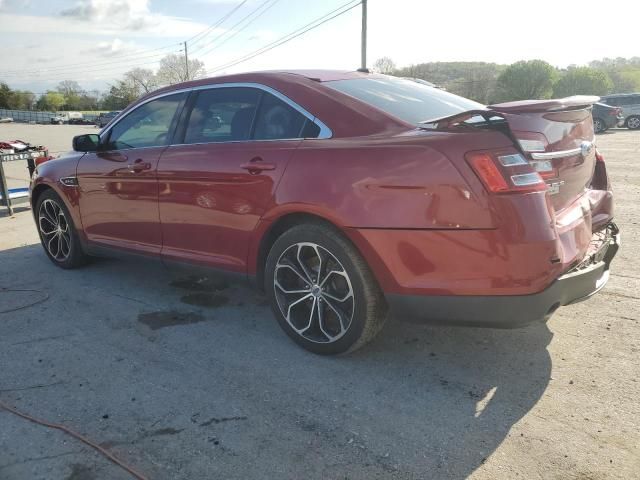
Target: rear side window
(278,120)
(222,115)
(233,114)
(407,100)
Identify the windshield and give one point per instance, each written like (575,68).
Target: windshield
(405,99)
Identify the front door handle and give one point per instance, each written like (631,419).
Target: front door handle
(257,165)
(138,166)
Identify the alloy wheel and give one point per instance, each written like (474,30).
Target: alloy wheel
(54,230)
(634,123)
(314,292)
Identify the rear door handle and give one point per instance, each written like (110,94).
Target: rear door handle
(257,165)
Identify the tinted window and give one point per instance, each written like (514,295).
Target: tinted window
(409,101)
(222,115)
(278,120)
(146,126)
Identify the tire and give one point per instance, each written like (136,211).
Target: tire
(341,308)
(598,125)
(633,122)
(58,233)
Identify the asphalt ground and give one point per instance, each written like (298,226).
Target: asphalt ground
(185,380)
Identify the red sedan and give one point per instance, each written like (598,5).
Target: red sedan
(346,196)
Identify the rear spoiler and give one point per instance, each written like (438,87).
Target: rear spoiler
(496,113)
(576,102)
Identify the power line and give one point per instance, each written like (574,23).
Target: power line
(126,64)
(215,45)
(138,56)
(216,24)
(291,36)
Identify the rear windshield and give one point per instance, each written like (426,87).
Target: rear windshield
(405,99)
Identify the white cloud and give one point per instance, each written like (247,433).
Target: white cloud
(114,48)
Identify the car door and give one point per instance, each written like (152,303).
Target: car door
(217,184)
(118,183)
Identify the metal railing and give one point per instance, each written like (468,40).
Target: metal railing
(29,116)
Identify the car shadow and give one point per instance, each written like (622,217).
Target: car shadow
(470,385)
(418,402)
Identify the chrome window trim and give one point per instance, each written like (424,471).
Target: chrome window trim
(325,131)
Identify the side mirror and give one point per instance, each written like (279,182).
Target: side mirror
(86,143)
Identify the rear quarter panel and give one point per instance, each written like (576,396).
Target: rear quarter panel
(366,182)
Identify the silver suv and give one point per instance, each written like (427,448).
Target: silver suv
(630,105)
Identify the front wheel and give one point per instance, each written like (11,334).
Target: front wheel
(57,232)
(633,123)
(322,291)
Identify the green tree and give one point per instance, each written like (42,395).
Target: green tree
(524,80)
(121,94)
(583,81)
(475,80)
(52,101)
(21,100)
(5,95)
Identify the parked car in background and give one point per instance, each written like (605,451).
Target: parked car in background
(68,118)
(630,104)
(345,195)
(606,117)
(104,118)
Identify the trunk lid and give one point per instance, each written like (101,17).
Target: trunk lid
(558,139)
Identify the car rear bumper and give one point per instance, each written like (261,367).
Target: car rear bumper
(511,311)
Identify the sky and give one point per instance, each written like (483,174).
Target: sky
(95,41)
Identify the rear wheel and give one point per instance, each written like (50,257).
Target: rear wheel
(633,122)
(57,232)
(321,290)
(598,125)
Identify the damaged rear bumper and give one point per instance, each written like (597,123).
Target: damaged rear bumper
(510,311)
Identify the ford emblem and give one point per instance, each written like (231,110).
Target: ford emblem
(586,148)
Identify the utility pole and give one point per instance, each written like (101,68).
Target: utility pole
(363,65)
(186,60)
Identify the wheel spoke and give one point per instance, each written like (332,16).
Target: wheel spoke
(297,302)
(290,292)
(50,243)
(52,226)
(302,265)
(338,313)
(337,299)
(293,269)
(65,245)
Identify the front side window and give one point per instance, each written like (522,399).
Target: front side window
(409,101)
(147,126)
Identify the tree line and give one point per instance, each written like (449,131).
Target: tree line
(69,94)
(532,79)
(484,82)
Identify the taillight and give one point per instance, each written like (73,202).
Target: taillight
(599,156)
(505,172)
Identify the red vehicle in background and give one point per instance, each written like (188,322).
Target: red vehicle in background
(346,195)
